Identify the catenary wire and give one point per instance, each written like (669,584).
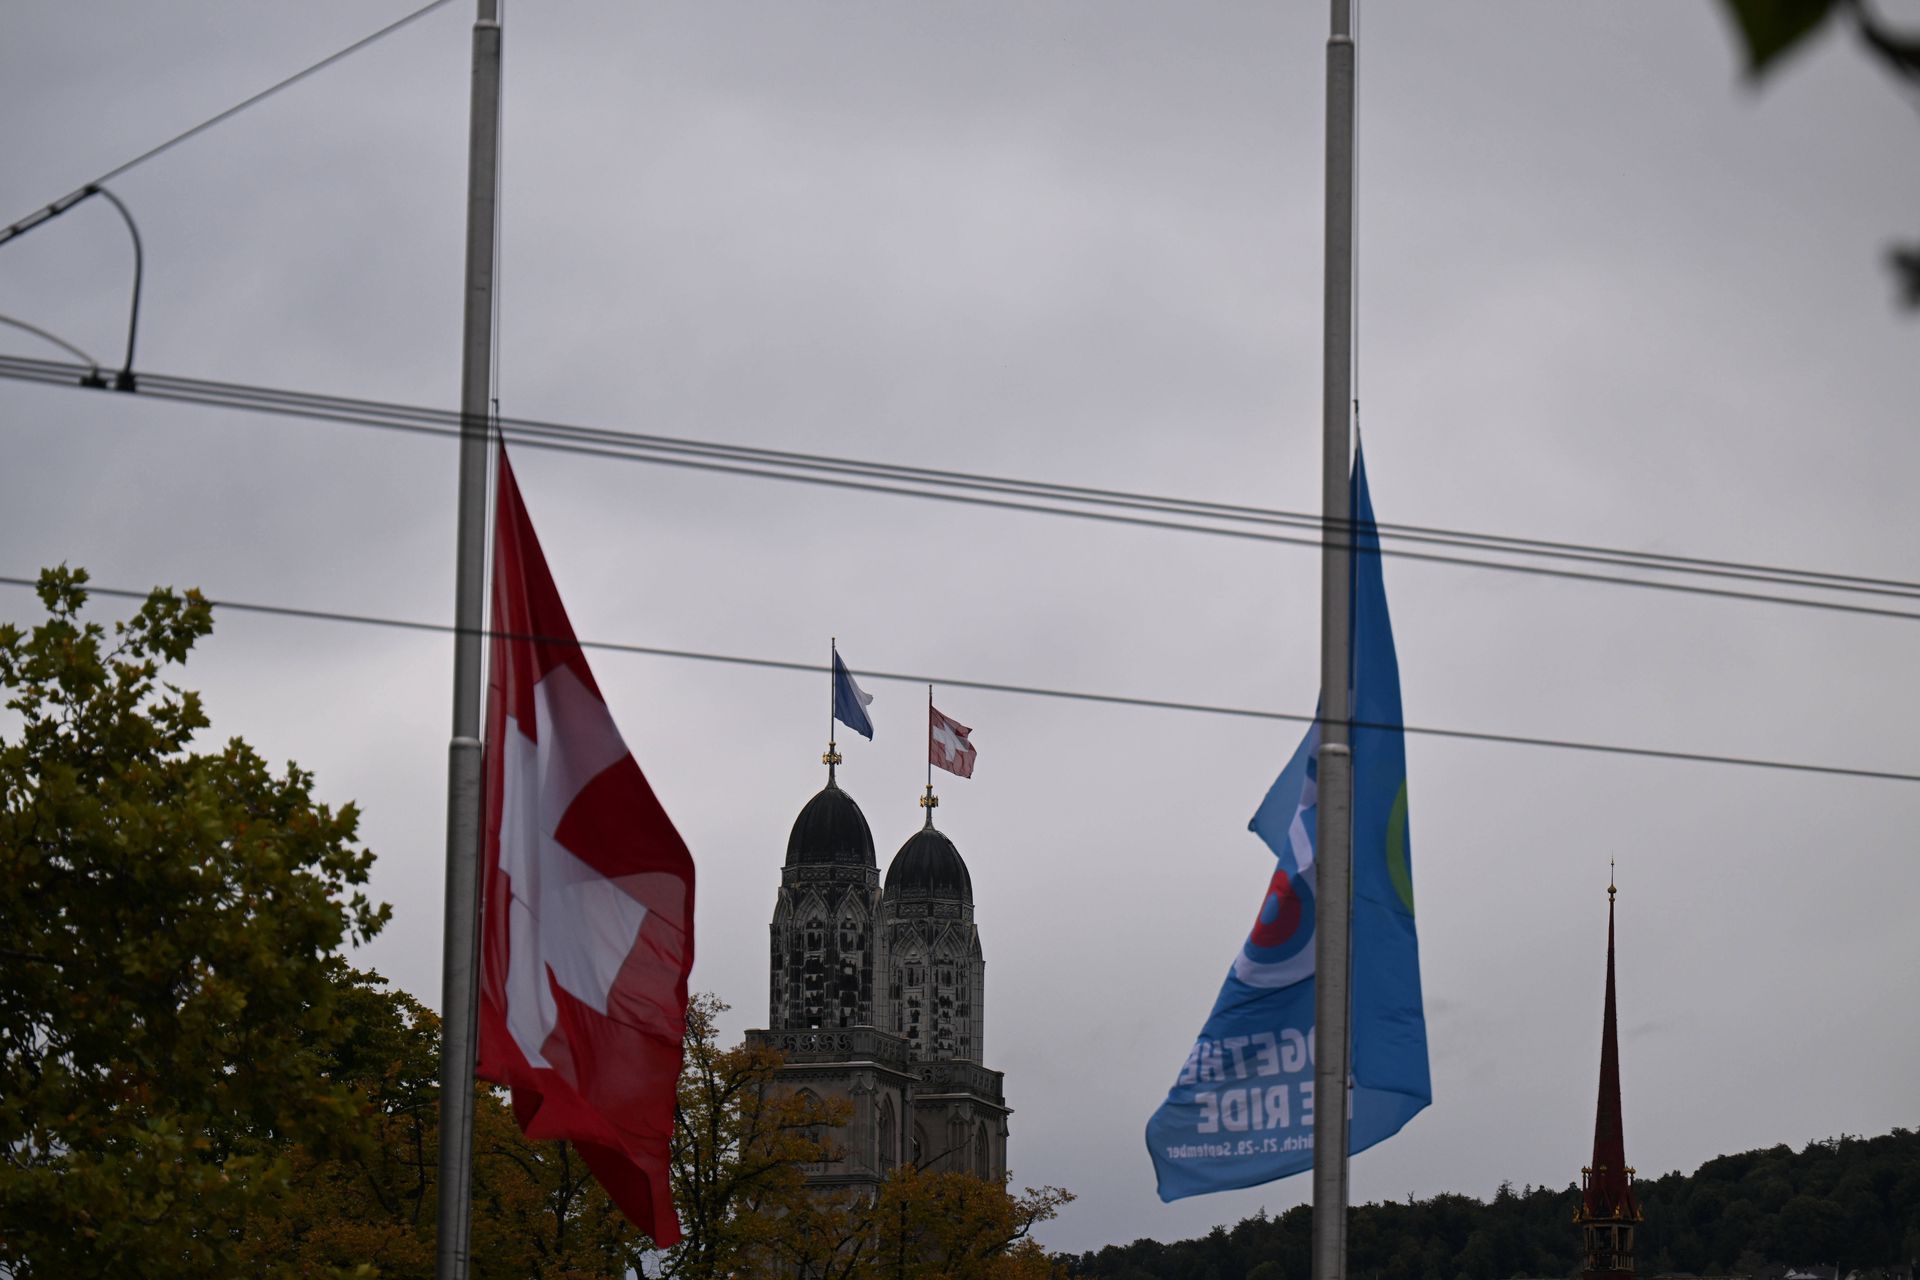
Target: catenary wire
(49,336)
(388,413)
(864,476)
(1022,690)
(393,415)
(238,107)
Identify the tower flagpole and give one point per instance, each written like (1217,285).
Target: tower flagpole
(929,800)
(832,758)
(1334,856)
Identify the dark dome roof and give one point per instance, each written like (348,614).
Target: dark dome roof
(831,830)
(928,864)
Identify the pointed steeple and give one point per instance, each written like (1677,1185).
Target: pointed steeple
(1608,1209)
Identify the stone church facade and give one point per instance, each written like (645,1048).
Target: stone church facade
(877,995)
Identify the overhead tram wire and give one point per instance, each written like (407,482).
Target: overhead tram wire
(394,415)
(1124,499)
(1023,690)
(998,492)
(65,202)
(50,337)
(650,449)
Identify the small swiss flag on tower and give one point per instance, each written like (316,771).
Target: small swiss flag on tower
(947,744)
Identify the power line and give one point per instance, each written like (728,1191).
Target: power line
(65,202)
(1116,497)
(1034,497)
(48,336)
(393,414)
(1023,690)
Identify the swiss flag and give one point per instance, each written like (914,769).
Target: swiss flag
(947,744)
(587,930)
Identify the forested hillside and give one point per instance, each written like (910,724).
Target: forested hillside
(1847,1201)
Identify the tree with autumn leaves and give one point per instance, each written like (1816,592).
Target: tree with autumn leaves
(371,1210)
(742,1144)
(170,927)
(193,1082)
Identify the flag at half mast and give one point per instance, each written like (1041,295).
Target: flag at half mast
(587,912)
(1241,1109)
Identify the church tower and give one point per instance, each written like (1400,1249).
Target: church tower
(1608,1211)
(936,976)
(877,998)
(936,991)
(822,969)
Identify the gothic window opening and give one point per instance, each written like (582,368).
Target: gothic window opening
(981,1160)
(889,1142)
(816,1134)
(813,994)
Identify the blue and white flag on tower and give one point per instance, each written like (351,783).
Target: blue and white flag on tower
(850,700)
(1240,1112)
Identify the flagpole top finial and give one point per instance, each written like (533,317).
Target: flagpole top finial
(929,802)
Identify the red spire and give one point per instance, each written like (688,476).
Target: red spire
(1607,1207)
(1609,1193)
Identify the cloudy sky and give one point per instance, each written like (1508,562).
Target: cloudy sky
(1607,294)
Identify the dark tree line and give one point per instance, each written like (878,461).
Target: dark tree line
(1849,1202)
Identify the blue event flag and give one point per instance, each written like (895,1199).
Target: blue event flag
(1240,1112)
(850,700)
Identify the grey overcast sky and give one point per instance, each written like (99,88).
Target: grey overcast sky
(1607,294)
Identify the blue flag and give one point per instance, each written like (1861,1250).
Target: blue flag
(850,700)
(1240,1113)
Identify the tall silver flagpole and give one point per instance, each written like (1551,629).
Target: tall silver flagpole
(459,988)
(1334,857)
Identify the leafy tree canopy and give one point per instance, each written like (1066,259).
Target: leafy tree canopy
(170,927)
(742,1146)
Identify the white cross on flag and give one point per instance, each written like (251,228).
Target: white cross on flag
(947,744)
(587,930)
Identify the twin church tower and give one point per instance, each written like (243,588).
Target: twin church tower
(877,995)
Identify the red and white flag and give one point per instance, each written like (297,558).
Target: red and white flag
(587,930)
(947,745)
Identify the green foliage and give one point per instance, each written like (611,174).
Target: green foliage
(537,1213)
(170,928)
(742,1146)
(1769,28)
(1851,1202)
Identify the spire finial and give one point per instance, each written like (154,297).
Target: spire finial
(929,802)
(1610,889)
(830,758)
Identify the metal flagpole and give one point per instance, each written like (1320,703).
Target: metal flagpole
(459,987)
(832,757)
(1334,857)
(929,800)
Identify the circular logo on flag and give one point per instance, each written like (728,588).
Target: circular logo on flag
(1279,950)
(1399,869)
